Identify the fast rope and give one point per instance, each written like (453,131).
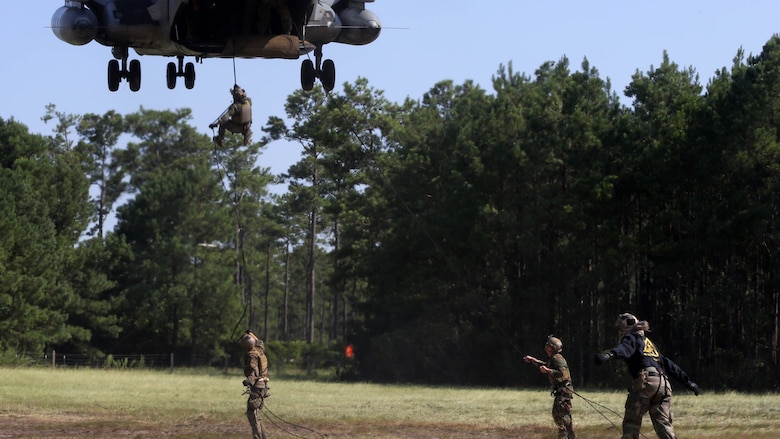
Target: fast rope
(240,229)
(234,203)
(266,412)
(594,405)
(235,76)
(242,256)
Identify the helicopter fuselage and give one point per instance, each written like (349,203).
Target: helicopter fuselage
(215,29)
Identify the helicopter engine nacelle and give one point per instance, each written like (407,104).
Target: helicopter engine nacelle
(349,24)
(74,25)
(361,26)
(324,24)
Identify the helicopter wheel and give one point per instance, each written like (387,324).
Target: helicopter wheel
(134,75)
(189,75)
(114,76)
(170,75)
(308,74)
(328,75)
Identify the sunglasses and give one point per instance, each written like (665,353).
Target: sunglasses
(628,318)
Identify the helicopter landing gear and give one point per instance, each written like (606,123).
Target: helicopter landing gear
(131,72)
(188,72)
(326,71)
(308,75)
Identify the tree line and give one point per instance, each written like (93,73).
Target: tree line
(442,237)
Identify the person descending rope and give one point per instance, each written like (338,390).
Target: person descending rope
(557,371)
(651,390)
(256,372)
(237,118)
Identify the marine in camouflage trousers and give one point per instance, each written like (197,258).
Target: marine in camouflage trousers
(253,404)
(234,127)
(561,413)
(651,393)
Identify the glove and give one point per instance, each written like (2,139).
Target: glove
(602,357)
(213,125)
(694,388)
(246,383)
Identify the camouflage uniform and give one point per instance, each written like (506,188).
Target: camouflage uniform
(560,379)
(237,118)
(557,371)
(651,390)
(256,372)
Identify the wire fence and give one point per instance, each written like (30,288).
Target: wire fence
(126,361)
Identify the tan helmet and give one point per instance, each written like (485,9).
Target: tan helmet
(248,340)
(555,343)
(238,91)
(626,322)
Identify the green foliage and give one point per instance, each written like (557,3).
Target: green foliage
(289,351)
(9,358)
(298,353)
(43,196)
(444,237)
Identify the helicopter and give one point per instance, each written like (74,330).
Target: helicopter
(283,29)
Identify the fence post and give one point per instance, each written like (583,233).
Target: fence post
(53,359)
(171,362)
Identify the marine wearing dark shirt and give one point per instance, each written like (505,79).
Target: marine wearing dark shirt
(651,390)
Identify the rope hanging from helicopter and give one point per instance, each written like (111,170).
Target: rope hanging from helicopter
(240,229)
(242,257)
(243,273)
(265,410)
(234,204)
(235,76)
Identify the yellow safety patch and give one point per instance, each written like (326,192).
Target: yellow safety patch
(650,350)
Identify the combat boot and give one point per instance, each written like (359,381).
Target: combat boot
(217,140)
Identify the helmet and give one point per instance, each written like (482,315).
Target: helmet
(248,340)
(555,342)
(238,91)
(626,322)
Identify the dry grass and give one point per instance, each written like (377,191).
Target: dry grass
(45,403)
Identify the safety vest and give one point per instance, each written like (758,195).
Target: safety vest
(651,351)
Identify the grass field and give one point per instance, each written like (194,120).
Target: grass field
(85,403)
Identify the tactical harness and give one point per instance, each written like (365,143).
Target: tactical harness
(243,115)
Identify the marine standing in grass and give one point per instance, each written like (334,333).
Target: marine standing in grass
(256,372)
(557,371)
(651,390)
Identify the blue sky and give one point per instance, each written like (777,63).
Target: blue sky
(424,41)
